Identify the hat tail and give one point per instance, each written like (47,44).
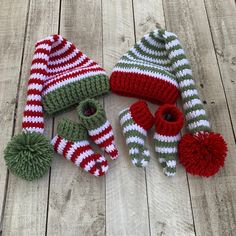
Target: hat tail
(29,154)
(202,152)
(195,113)
(33,120)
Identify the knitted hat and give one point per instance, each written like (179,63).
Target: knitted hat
(61,76)
(155,69)
(146,72)
(68,75)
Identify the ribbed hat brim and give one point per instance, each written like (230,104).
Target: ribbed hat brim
(143,86)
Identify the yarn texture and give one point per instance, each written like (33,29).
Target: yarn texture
(203,153)
(71,131)
(72,143)
(93,117)
(145,71)
(168,123)
(135,121)
(29,155)
(67,75)
(60,77)
(156,69)
(94,120)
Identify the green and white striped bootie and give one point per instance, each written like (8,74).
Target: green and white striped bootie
(135,121)
(168,123)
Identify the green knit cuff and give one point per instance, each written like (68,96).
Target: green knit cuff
(98,116)
(71,130)
(70,95)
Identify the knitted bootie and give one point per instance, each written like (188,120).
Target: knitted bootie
(168,123)
(135,121)
(71,141)
(93,117)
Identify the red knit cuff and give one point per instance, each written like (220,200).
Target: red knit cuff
(142,115)
(168,120)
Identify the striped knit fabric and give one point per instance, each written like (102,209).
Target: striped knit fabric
(71,142)
(155,69)
(195,113)
(135,121)
(61,75)
(93,117)
(168,123)
(145,71)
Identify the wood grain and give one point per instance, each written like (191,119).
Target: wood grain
(26,203)
(76,198)
(168,198)
(128,201)
(213,199)
(11,49)
(126,198)
(221,15)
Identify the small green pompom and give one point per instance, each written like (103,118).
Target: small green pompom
(29,155)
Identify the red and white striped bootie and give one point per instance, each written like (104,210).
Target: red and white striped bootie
(93,117)
(71,141)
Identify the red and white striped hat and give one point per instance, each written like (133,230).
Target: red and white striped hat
(60,77)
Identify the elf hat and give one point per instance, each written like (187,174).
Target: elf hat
(145,71)
(61,76)
(155,69)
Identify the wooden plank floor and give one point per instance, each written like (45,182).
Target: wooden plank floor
(127,201)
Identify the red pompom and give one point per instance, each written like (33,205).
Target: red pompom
(203,153)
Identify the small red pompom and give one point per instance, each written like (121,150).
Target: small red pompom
(202,153)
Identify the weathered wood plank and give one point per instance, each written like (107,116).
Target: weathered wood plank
(77,199)
(77,203)
(213,199)
(26,203)
(168,198)
(126,199)
(148,15)
(221,16)
(11,44)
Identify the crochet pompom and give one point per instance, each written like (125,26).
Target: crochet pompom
(202,153)
(29,155)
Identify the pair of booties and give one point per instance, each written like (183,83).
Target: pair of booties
(72,139)
(137,120)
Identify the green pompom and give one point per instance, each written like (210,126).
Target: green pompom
(29,155)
